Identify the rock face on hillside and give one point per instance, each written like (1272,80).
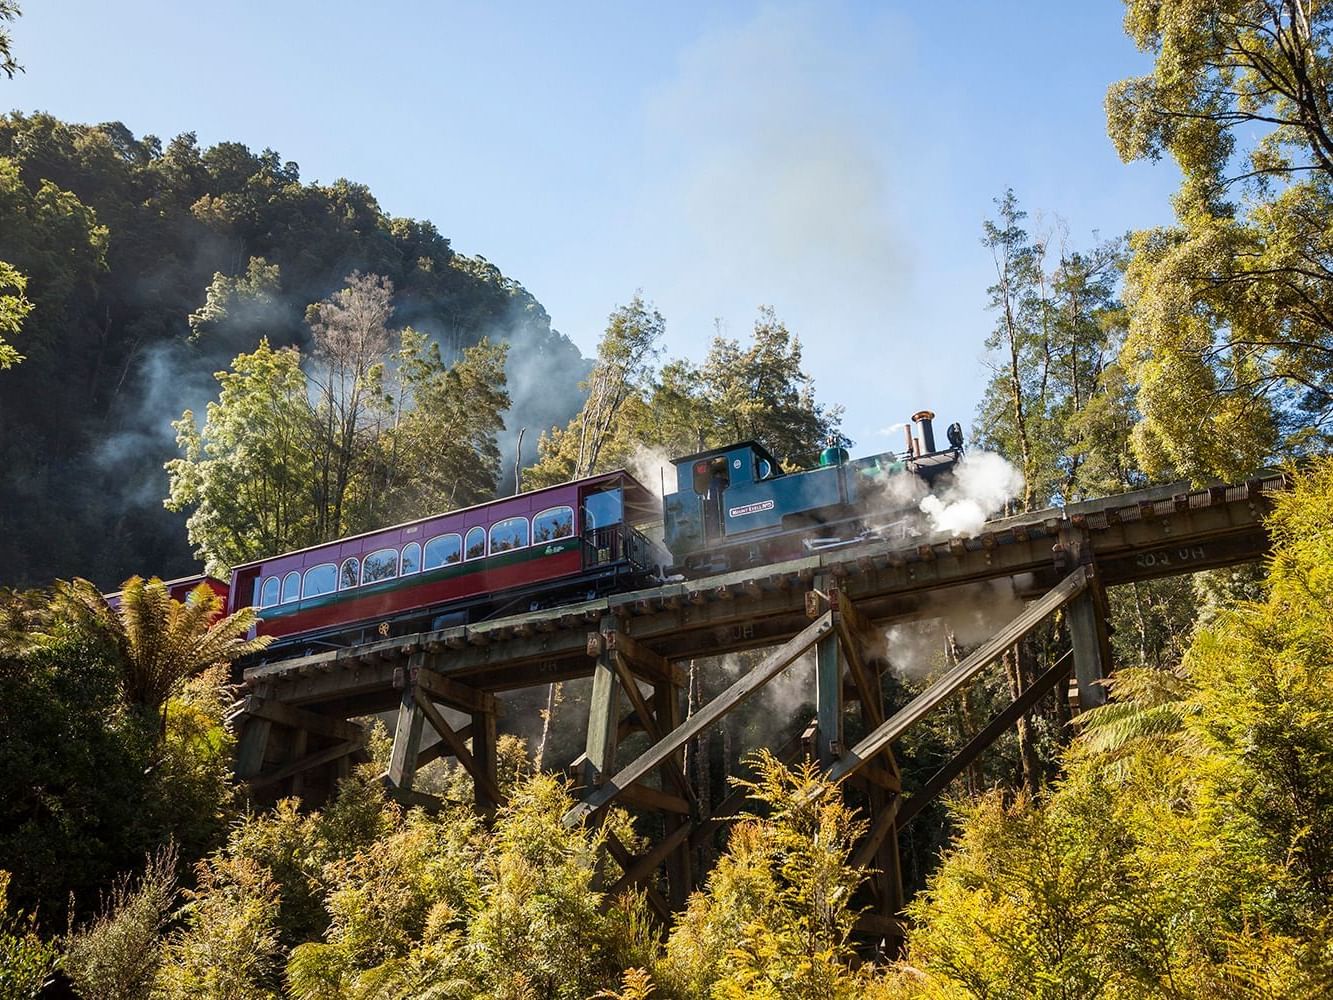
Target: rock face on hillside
(120,238)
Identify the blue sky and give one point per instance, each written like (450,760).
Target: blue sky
(833,160)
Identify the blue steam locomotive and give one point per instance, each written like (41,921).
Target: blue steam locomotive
(736,507)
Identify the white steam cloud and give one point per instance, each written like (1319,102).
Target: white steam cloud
(982,483)
(970,614)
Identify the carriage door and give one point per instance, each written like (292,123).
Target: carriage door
(603,527)
(711,477)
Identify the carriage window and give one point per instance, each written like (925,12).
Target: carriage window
(511,533)
(602,509)
(381,565)
(291,587)
(268,596)
(476,542)
(351,572)
(558,522)
(319,580)
(443,551)
(411,558)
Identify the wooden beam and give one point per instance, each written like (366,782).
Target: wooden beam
(625,860)
(483,781)
(641,796)
(304,764)
(1092,646)
(454,694)
(651,666)
(603,713)
(649,718)
(406,740)
(251,746)
(880,827)
(765,671)
(644,865)
(957,676)
(993,730)
(300,718)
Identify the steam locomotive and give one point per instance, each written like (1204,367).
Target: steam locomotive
(732,507)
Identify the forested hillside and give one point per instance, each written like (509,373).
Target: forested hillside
(120,239)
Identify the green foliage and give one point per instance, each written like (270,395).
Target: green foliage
(155,641)
(1055,405)
(115,956)
(1230,341)
(9,10)
(289,458)
(227,948)
(775,917)
(1185,852)
(25,960)
(92,775)
(636,418)
(13,308)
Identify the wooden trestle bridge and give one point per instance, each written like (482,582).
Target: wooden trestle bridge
(295,737)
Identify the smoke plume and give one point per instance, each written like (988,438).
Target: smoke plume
(971,614)
(982,483)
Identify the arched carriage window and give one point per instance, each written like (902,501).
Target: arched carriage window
(268,595)
(443,550)
(411,558)
(380,565)
(476,542)
(511,533)
(291,587)
(558,522)
(320,580)
(350,573)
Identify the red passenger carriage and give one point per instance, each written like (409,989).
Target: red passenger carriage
(545,547)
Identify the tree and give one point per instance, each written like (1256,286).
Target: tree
(13,307)
(1231,340)
(248,474)
(759,391)
(9,10)
(156,641)
(1047,406)
(625,357)
(350,347)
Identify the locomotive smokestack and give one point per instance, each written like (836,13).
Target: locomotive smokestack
(924,417)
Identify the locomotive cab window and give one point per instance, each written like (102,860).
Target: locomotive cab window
(443,550)
(268,595)
(411,558)
(558,522)
(320,580)
(601,510)
(351,572)
(380,565)
(291,587)
(511,533)
(476,542)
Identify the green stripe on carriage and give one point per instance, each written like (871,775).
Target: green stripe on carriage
(539,551)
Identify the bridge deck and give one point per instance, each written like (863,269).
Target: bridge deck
(1143,535)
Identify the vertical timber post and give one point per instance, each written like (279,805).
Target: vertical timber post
(828,693)
(1091,641)
(252,743)
(680,876)
(483,753)
(406,733)
(603,710)
(1087,626)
